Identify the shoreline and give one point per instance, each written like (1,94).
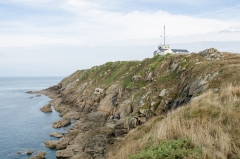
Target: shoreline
(90,136)
(110,100)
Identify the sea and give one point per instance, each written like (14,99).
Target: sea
(23,126)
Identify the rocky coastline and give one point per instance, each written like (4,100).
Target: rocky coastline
(110,100)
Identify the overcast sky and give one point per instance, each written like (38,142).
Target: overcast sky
(58,37)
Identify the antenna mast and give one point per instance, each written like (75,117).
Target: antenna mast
(164,34)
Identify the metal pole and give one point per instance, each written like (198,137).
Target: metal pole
(164,34)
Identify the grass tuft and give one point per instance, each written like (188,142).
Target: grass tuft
(180,148)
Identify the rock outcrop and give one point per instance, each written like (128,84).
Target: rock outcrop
(56,134)
(29,152)
(40,155)
(62,122)
(108,101)
(50,144)
(47,108)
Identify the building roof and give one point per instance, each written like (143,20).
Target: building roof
(179,50)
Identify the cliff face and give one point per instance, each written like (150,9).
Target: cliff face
(108,101)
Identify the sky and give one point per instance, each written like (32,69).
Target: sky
(58,37)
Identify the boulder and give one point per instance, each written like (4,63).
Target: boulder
(163,93)
(98,91)
(50,144)
(56,134)
(29,152)
(62,122)
(40,155)
(62,143)
(149,77)
(47,108)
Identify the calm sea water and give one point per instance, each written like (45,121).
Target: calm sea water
(23,126)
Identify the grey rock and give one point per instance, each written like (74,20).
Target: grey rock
(62,122)
(149,77)
(50,144)
(163,93)
(216,90)
(56,134)
(40,155)
(29,152)
(47,108)
(174,67)
(98,91)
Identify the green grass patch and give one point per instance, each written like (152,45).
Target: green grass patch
(155,62)
(167,78)
(172,149)
(130,84)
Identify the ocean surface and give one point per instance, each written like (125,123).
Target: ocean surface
(23,126)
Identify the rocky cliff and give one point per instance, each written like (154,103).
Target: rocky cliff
(108,101)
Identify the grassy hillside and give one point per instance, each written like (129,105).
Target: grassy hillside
(172,106)
(208,126)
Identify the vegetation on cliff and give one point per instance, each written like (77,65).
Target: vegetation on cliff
(210,122)
(139,99)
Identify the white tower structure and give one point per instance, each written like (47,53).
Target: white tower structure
(165,49)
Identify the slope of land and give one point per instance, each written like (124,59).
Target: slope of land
(140,97)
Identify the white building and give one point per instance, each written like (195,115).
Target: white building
(165,49)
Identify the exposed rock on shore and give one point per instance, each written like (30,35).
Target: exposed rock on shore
(56,134)
(47,108)
(40,155)
(50,144)
(62,122)
(29,152)
(108,101)
(64,142)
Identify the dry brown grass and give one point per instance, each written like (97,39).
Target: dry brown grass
(211,121)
